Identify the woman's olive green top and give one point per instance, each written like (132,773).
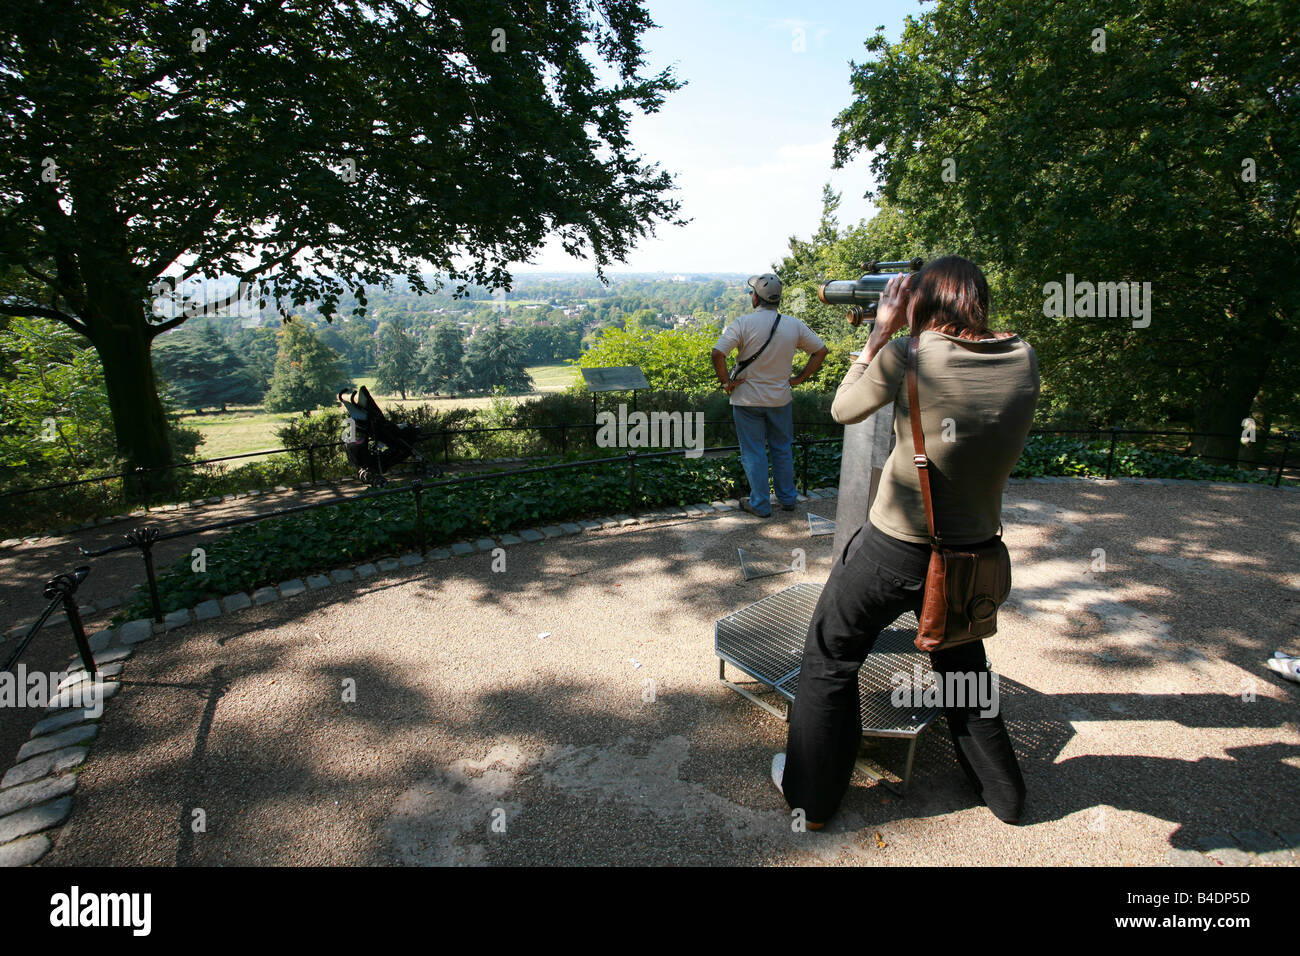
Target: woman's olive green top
(977,402)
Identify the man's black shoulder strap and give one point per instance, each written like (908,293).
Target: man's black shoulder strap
(741,366)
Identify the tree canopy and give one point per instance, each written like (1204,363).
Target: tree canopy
(493,362)
(1142,141)
(317,147)
(397,351)
(440,358)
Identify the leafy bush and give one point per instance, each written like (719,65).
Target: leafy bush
(574,408)
(324,427)
(56,418)
(431,421)
(557,408)
(673,359)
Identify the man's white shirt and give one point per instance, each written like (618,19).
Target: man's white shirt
(766,381)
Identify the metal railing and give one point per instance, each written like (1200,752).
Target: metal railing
(446,436)
(61,589)
(1274,466)
(145,538)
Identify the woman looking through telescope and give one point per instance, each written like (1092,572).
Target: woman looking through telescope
(977,392)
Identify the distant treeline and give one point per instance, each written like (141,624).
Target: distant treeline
(424,344)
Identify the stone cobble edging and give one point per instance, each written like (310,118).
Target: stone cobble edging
(36,793)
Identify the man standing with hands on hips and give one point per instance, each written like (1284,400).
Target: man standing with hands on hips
(760,388)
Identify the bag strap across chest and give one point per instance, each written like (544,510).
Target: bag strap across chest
(742,365)
(919,457)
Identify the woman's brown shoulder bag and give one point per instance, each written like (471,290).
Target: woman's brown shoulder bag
(963,588)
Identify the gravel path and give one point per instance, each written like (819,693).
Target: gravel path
(1148,728)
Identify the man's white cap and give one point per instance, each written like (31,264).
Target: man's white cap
(767,287)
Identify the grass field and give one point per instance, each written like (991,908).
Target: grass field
(251,428)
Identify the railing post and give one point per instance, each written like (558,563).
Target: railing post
(631,480)
(65,586)
(141,486)
(1110,460)
(564,438)
(417,488)
(1281,465)
(803,442)
(311,462)
(58,588)
(446,448)
(143,538)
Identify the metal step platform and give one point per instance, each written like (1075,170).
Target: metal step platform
(765,640)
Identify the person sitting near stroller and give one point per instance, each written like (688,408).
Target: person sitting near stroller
(375,445)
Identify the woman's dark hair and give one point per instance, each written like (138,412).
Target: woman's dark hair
(951,295)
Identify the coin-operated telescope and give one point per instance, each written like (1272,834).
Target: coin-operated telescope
(862,295)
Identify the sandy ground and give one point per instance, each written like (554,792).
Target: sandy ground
(1143,716)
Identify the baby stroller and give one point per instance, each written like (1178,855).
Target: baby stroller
(374,444)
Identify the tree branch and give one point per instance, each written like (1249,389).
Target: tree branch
(40,276)
(157,330)
(26,311)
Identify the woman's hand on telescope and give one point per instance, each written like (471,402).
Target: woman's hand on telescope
(891,315)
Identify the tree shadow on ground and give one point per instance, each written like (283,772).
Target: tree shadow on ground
(273,779)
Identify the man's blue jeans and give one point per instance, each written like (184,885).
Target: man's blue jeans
(758,430)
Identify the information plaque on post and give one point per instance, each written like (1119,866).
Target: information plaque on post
(616,378)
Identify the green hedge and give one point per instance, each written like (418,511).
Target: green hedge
(1052,455)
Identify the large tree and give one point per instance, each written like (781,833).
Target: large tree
(1144,141)
(396,349)
(440,358)
(204,371)
(307,373)
(318,146)
(492,360)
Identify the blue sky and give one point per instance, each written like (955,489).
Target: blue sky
(749,138)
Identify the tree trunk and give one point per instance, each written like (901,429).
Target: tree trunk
(1255,453)
(1221,409)
(121,337)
